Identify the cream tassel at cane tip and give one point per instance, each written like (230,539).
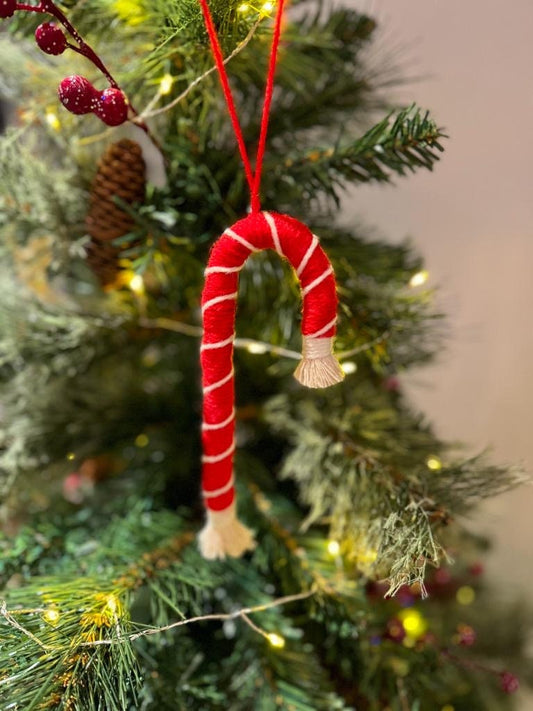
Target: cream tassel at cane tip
(223,533)
(319,368)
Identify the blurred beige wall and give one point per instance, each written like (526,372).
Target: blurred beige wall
(473,221)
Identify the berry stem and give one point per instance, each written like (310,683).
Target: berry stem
(75,48)
(469,663)
(87,51)
(47,6)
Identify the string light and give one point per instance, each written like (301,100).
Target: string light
(414,623)
(465,595)
(276,640)
(165,85)
(243,8)
(419,279)
(71,456)
(51,616)
(52,120)
(141,440)
(136,284)
(334,548)
(349,367)
(434,463)
(267,8)
(256,348)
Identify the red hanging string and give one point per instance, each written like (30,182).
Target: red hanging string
(253,179)
(269,90)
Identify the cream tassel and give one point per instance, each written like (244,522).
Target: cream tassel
(223,534)
(318,368)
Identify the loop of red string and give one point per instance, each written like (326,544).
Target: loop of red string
(253,178)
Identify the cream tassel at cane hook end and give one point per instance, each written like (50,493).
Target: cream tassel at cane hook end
(223,533)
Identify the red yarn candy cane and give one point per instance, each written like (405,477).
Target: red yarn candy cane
(224,534)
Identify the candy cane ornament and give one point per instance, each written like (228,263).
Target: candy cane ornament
(223,533)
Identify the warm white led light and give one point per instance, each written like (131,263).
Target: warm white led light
(276,640)
(256,348)
(419,279)
(349,367)
(334,547)
(166,84)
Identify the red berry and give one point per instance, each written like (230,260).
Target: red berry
(466,635)
(112,107)
(77,94)
(509,682)
(476,569)
(395,630)
(7,8)
(50,38)
(392,384)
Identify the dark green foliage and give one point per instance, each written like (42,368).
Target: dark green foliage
(141,569)
(398,144)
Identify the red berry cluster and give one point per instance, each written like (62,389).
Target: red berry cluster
(76,93)
(79,96)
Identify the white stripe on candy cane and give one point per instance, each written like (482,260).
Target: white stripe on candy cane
(218,425)
(214,458)
(307,256)
(324,329)
(218,492)
(218,300)
(221,270)
(274,232)
(241,240)
(218,344)
(317,281)
(219,383)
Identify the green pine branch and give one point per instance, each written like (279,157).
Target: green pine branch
(401,143)
(365,472)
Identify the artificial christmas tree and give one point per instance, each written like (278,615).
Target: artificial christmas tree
(354,503)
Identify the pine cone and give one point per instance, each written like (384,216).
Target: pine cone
(121,173)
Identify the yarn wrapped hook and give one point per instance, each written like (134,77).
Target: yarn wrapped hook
(223,533)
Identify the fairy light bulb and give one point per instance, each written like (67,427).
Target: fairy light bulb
(243,8)
(52,120)
(465,595)
(334,547)
(434,463)
(256,348)
(419,279)
(414,623)
(165,86)
(266,8)
(142,440)
(51,616)
(348,367)
(136,284)
(276,640)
